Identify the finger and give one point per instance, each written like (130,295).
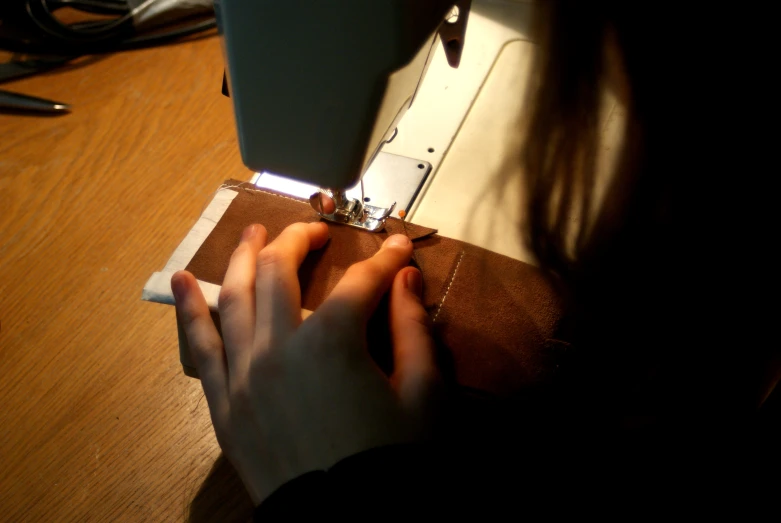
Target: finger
(237,298)
(415,374)
(277,289)
(362,286)
(204,341)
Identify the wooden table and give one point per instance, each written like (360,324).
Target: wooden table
(97,421)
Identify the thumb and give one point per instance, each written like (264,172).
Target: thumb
(416,376)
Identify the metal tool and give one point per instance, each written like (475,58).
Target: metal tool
(337,207)
(19,67)
(393,182)
(25,103)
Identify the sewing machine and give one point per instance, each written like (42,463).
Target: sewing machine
(413,134)
(429,131)
(319,89)
(360,108)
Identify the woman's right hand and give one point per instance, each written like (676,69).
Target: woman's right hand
(288,396)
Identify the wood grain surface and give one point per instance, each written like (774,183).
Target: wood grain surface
(97,421)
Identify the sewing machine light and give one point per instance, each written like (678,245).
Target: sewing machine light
(392,182)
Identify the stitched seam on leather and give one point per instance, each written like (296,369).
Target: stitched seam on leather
(239,186)
(273,194)
(452,278)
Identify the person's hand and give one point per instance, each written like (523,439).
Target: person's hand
(288,396)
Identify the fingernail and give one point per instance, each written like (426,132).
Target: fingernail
(249,232)
(397,240)
(415,283)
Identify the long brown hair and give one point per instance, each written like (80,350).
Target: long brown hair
(635,265)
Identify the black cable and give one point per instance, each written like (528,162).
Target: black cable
(117,22)
(44,18)
(96,36)
(156,39)
(98,7)
(41,15)
(87,24)
(144,41)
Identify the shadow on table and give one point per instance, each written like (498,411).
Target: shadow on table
(222,497)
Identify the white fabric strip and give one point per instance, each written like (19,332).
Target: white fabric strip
(158,287)
(201,230)
(158,290)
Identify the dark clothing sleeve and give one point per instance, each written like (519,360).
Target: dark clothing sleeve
(378,482)
(568,476)
(436,480)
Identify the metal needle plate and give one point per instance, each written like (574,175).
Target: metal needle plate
(390,179)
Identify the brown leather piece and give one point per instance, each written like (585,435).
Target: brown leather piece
(494,317)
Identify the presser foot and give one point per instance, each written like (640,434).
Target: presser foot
(336,207)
